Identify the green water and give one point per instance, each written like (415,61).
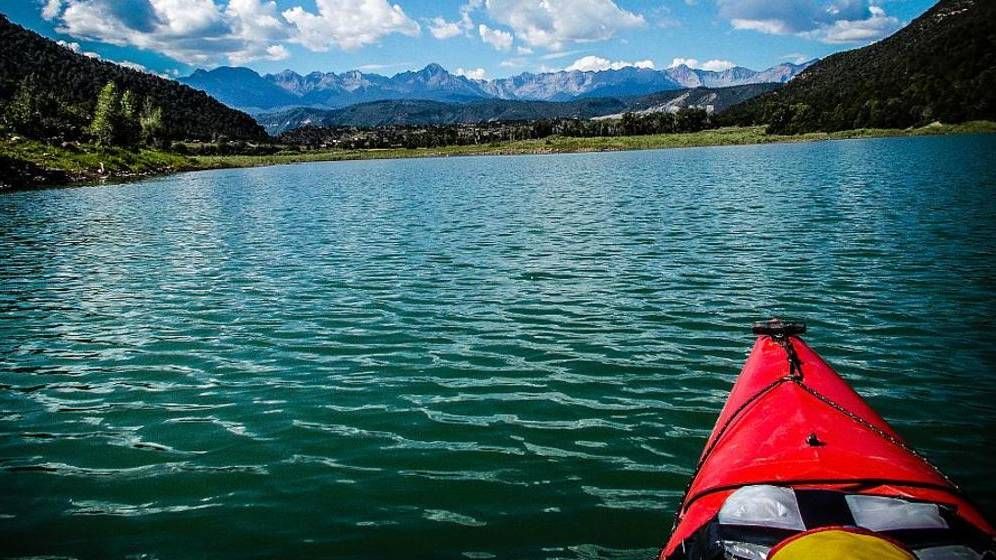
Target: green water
(517,357)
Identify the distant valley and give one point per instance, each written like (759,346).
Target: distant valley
(408,112)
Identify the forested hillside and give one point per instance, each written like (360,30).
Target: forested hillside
(942,67)
(49,91)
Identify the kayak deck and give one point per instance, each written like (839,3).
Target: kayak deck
(791,421)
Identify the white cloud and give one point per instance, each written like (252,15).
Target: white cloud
(598,64)
(191,31)
(51,9)
(551,24)
(76,48)
(501,40)
(277,52)
(877,26)
(472,73)
(133,66)
(442,29)
(796,58)
(514,63)
(560,54)
(256,19)
(829,21)
(207,32)
(714,65)
(348,24)
(769,26)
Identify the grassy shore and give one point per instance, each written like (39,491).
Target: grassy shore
(27,163)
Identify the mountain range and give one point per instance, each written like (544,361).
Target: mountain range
(244,89)
(404,112)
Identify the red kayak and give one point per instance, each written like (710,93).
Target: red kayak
(799,466)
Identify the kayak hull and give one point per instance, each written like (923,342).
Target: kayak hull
(791,421)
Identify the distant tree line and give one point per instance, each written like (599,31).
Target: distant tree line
(432,136)
(819,109)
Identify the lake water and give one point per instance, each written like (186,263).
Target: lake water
(512,357)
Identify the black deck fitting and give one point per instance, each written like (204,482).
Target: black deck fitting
(776,328)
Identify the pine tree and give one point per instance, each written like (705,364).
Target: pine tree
(106,115)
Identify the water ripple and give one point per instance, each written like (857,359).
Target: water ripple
(466,358)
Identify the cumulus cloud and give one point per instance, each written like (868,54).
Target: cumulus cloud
(551,24)
(830,21)
(51,9)
(442,29)
(598,64)
(348,24)
(472,73)
(206,32)
(501,40)
(859,31)
(714,65)
(192,31)
(255,19)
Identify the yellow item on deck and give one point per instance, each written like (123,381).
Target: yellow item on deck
(838,544)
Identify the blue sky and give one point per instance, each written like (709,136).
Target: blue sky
(482,38)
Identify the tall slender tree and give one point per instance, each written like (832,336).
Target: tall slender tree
(128,127)
(105,115)
(151,122)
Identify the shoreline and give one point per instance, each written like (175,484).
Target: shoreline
(33,165)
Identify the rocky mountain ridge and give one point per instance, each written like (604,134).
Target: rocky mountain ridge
(247,90)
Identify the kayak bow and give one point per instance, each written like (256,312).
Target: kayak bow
(796,452)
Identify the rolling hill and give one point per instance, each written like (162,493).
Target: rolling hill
(719,99)
(72,81)
(941,67)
